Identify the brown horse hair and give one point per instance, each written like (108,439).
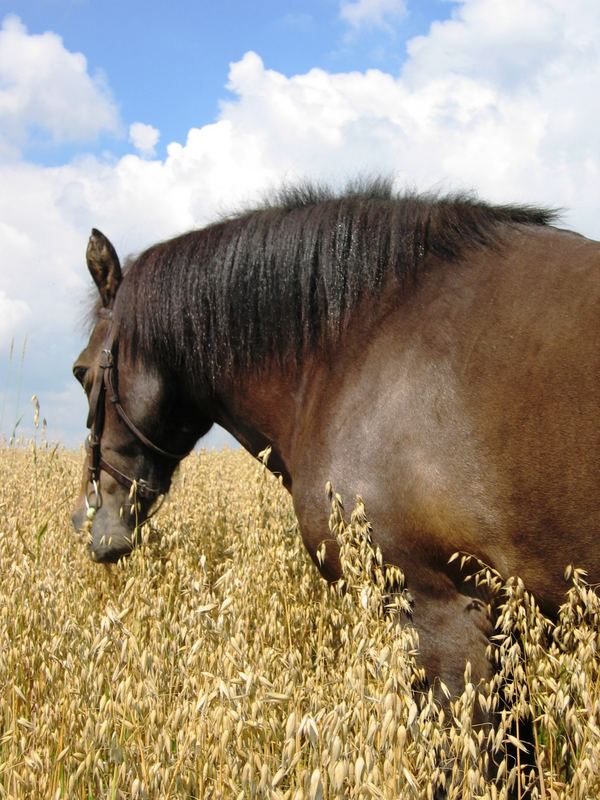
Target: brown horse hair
(286,277)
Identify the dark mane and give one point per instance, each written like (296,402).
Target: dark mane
(284,278)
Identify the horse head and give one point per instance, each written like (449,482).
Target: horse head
(141,423)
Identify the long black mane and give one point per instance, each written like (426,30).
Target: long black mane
(284,278)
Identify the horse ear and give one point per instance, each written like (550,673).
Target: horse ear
(103,264)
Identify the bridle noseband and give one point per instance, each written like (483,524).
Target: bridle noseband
(104,388)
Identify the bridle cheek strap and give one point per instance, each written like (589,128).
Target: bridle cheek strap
(102,386)
(114,399)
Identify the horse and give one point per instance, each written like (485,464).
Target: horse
(437,356)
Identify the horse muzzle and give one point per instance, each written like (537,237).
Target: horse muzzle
(109,551)
(108,542)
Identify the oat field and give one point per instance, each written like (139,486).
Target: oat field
(216,663)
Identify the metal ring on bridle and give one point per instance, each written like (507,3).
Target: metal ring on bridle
(97,496)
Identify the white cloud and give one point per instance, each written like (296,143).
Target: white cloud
(13,313)
(371,13)
(144,138)
(459,116)
(508,44)
(45,86)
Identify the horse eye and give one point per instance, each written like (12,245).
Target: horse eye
(79,373)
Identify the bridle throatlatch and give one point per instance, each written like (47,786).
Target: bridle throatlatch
(103,390)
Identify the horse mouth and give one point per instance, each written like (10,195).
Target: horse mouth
(109,553)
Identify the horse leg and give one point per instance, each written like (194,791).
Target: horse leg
(453,628)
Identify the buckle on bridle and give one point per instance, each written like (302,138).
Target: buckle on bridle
(92,507)
(106,359)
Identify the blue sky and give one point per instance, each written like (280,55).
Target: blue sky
(147,119)
(167,63)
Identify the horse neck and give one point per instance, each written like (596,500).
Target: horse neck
(264,409)
(272,406)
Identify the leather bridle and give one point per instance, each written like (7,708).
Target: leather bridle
(103,390)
